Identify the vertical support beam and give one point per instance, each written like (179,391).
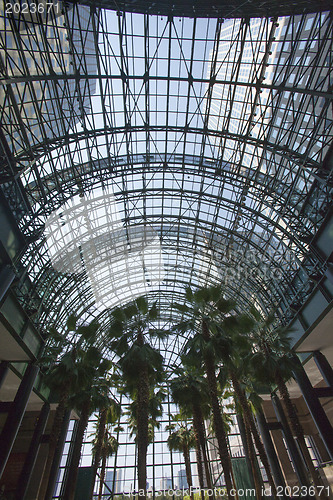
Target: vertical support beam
(30,460)
(4,365)
(291,444)
(324,367)
(270,450)
(283,455)
(15,415)
(317,411)
(57,457)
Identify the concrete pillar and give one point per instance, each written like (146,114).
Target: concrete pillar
(4,365)
(15,415)
(291,444)
(317,412)
(289,473)
(270,450)
(324,367)
(30,460)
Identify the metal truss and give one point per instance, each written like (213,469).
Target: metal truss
(211,8)
(212,132)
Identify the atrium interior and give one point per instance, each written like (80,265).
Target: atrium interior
(166,174)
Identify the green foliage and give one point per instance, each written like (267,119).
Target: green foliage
(113,413)
(133,344)
(188,387)
(255,402)
(88,332)
(109,444)
(74,366)
(189,294)
(155,411)
(218,332)
(272,354)
(135,357)
(142,305)
(94,389)
(223,377)
(180,438)
(183,308)
(112,418)
(71,323)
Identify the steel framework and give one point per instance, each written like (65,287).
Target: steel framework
(213,8)
(212,132)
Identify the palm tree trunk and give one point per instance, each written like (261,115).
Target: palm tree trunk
(197,416)
(298,432)
(217,419)
(248,420)
(54,437)
(98,446)
(74,465)
(142,429)
(187,461)
(102,477)
(252,457)
(262,453)
(198,452)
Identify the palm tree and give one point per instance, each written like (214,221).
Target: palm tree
(64,371)
(250,447)
(108,416)
(155,411)
(206,309)
(274,366)
(91,397)
(190,391)
(141,366)
(182,439)
(106,449)
(236,367)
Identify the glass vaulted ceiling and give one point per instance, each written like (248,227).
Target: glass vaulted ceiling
(142,154)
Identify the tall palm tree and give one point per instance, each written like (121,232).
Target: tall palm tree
(141,366)
(62,363)
(250,448)
(190,391)
(273,365)
(108,417)
(182,439)
(106,449)
(236,367)
(155,411)
(91,397)
(205,310)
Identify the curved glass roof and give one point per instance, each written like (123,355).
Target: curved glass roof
(143,154)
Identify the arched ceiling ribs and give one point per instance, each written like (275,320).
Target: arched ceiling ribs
(262,187)
(281,87)
(71,138)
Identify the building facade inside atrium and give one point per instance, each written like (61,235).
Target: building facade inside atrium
(166,249)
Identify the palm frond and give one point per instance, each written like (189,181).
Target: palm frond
(142,305)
